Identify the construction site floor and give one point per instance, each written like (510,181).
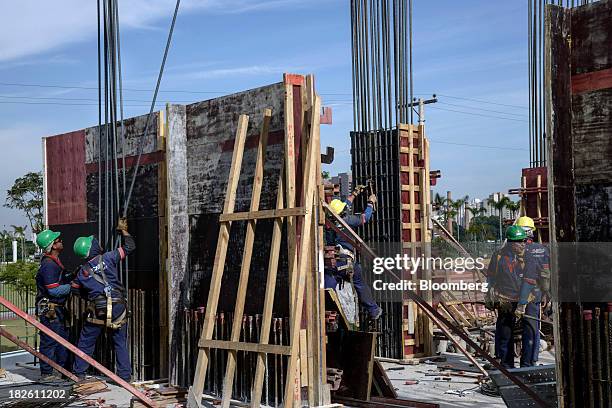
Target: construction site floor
(460,392)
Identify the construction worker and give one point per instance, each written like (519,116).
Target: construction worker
(346,266)
(98,282)
(53,290)
(538,279)
(512,292)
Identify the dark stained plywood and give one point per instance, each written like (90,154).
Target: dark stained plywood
(134,140)
(592,136)
(65,176)
(211,127)
(144,200)
(591,37)
(560,164)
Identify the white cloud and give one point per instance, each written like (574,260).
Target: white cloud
(32,27)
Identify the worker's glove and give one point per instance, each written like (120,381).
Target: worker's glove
(122,225)
(372,199)
(544,284)
(520,310)
(358,189)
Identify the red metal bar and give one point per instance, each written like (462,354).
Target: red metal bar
(41,356)
(30,319)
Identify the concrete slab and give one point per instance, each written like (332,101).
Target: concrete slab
(429,390)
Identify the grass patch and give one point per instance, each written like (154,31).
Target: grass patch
(19,328)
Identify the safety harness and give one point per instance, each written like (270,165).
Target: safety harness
(103,304)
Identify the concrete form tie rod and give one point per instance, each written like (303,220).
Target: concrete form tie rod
(30,319)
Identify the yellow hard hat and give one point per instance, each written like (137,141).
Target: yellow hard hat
(337,206)
(526,222)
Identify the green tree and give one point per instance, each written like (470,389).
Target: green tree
(439,202)
(21,275)
(499,205)
(514,207)
(26,195)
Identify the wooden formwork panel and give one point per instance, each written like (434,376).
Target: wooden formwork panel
(65,178)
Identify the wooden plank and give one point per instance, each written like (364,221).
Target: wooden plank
(234,346)
(262,214)
(266,319)
(162,189)
(245,267)
(290,185)
(195,391)
(305,245)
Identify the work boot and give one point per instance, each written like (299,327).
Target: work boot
(50,377)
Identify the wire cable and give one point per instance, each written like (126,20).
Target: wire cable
(146,129)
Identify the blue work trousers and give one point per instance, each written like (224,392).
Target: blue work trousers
(530,336)
(87,344)
(363,290)
(51,348)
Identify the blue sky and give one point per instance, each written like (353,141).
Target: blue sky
(474,50)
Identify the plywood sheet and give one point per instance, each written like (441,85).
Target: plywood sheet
(65,173)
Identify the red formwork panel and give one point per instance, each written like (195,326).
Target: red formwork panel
(66,178)
(532,192)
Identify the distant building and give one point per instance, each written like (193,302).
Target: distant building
(491,208)
(345,182)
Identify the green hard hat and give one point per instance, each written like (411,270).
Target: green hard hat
(45,239)
(82,246)
(516,233)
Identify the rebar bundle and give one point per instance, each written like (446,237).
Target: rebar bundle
(276,365)
(111,140)
(381,34)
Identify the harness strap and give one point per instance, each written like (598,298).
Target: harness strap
(100,276)
(114,324)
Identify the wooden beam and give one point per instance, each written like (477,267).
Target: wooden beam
(310,178)
(234,346)
(247,254)
(290,185)
(266,319)
(195,391)
(261,214)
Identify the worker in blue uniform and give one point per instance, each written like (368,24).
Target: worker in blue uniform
(98,282)
(512,275)
(53,290)
(346,266)
(538,276)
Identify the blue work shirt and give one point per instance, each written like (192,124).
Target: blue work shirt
(51,274)
(506,272)
(88,285)
(352,220)
(541,261)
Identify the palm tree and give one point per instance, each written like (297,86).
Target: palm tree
(499,206)
(19,232)
(514,207)
(456,205)
(438,202)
